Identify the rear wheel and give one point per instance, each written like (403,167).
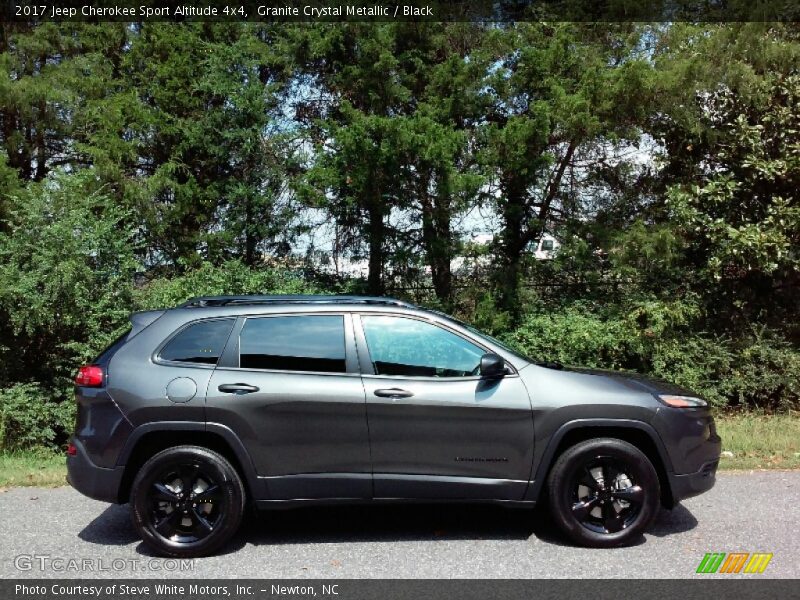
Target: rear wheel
(187,501)
(603,492)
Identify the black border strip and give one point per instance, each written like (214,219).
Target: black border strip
(495,11)
(755,587)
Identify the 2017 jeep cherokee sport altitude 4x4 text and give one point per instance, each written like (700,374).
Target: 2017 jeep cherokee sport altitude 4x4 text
(226,400)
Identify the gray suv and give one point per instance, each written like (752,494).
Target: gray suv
(229,401)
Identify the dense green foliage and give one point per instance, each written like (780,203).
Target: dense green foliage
(141,164)
(758,368)
(33,417)
(231,277)
(66,278)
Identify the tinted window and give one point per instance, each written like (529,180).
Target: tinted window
(301,343)
(547,245)
(201,342)
(399,346)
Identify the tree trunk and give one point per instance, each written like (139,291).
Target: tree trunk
(41,145)
(249,237)
(436,238)
(508,273)
(376,231)
(518,231)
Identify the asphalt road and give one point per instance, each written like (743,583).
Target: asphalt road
(745,512)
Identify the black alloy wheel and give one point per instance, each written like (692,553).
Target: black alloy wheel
(606,498)
(187,501)
(603,492)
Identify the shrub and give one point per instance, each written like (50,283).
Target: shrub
(30,416)
(66,277)
(575,336)
(757,369)
(765,372)
(232,277)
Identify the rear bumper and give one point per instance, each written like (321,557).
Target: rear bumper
(90,480)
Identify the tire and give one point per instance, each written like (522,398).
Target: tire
(593,514)
(167,501)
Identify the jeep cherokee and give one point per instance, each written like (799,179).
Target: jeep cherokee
(266,401)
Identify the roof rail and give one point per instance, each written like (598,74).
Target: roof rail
(209,301)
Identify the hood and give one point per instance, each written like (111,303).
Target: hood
(628,379)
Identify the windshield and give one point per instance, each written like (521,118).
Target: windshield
(495,341)
(484,336)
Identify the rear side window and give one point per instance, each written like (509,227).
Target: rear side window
(200,343)
(293,343)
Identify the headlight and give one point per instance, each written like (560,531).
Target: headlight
(682,401)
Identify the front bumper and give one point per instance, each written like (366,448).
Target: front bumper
(692,484)
(90,480)
(691,441)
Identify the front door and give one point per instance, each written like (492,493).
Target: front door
(437,429)
(288,386)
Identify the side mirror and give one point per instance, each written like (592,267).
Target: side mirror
(492,366)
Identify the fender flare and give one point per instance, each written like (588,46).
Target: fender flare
(226,433)
(546,461)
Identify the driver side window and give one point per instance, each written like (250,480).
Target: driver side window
(412,348)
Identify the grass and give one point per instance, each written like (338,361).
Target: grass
(760,441)
(757,441)
(41,468)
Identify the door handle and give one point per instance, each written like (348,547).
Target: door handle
(393,393)
(237,388)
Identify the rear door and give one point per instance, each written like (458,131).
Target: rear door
(289,387)
(437,429)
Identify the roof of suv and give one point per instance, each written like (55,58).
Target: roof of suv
(217,301)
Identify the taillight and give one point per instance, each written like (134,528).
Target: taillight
(72,450)
(89,376)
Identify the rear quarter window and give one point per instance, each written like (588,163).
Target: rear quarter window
(199,343)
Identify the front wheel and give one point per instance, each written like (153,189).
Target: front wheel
(187,501)
(603,492)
